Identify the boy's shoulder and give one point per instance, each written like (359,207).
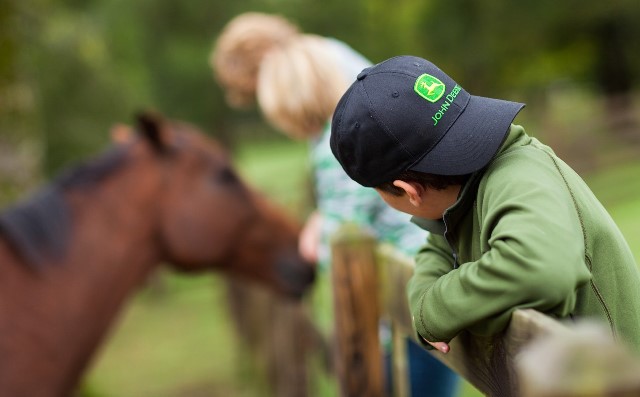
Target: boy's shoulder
(523,164)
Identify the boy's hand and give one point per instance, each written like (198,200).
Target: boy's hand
(440,346)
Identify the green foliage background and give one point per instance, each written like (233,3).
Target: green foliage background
(84,65)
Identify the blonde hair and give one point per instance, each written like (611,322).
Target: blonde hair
(239,49)
(299,86)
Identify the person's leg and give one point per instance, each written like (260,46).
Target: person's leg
(429,377)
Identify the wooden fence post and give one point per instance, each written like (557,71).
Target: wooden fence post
(399,363)
(583,361)
(356,310)
(393,276)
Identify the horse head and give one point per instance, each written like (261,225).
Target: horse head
(209,218)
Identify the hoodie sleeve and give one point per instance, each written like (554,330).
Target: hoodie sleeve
(533,256)
(433,261)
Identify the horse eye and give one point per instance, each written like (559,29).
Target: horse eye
(227,176)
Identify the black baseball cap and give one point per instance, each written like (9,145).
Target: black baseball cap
(407,114)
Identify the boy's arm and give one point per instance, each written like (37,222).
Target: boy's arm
(433,261)
(534,259)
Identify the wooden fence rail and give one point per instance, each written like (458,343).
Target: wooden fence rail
(536,355)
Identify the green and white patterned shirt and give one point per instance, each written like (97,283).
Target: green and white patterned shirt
(341,200)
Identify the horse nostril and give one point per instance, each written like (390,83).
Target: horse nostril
(295,274)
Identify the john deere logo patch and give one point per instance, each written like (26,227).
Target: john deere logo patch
(429,87)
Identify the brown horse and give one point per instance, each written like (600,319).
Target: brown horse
(72,254)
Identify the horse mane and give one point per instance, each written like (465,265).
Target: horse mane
(92,172)
(38,228)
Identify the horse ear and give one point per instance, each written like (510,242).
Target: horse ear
(151,127)
(121,133)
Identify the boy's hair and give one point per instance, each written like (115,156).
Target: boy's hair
(238,51)
(299,85)
(437,182)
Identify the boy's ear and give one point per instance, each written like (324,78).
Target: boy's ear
(413,190)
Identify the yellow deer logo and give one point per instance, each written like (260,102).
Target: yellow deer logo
(429,87)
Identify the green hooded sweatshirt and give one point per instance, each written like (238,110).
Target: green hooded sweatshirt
(525,232)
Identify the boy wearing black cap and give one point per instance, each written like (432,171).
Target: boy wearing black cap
(512,226)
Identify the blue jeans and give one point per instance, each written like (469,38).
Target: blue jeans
(428,377)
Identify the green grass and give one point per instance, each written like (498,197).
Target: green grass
(172,340)
(178,341)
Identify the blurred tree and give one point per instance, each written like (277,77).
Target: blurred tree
(498,44)
(19,143)
(90,77)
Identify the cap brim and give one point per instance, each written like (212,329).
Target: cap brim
(473,139)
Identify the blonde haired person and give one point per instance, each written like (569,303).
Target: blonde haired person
(239,49)
(308,71)
(298,83)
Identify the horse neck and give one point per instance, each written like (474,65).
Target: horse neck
(116,225)
(112,249)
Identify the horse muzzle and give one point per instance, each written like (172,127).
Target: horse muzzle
(295,275)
